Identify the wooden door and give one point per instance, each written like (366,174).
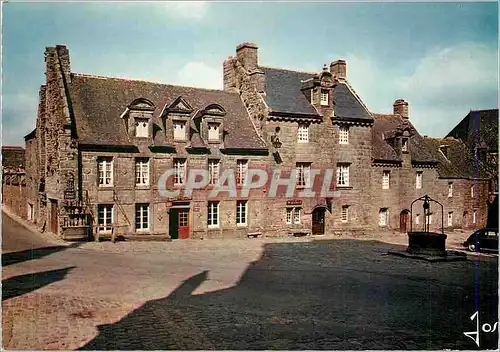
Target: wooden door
(318,221)
(403,221)
(53,217)
(173,222)
(183,223)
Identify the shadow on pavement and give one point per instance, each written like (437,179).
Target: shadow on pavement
(321,295)
(22,284)
(30,254)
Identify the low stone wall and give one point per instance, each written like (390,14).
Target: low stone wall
(14,198)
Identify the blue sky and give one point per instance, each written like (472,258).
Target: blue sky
(441,57)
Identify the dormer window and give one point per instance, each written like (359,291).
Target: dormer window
(179,130)
(404,145)
(141,128)
(213,131)
(324,97)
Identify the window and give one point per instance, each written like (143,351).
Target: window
(213,131)
(241,212)
(383,217)
(303,134)
(385,179)
(474,217)
(302,173)
(104,217)
(345,213)
(30,212)
(417,219)
(418,181)
(344,135)
(428,219)
(472,191)
(404,145)
(324,97)
(179,130)
(179,171)
(141,128)
(142,172)
(450,189)
(105,166)
(142,217)
(450,218)
(342,174)
(293,215)
(213,214)
(241,170)
(213,171)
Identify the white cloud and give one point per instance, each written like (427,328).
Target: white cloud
(200,75)
(187,9)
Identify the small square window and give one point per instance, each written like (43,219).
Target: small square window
(303,133)
(344,135)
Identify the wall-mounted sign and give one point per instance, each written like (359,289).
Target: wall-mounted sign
(294,202)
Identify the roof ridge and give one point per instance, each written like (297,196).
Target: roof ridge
(480,110)
(348,85)
(89,75)
(288,69)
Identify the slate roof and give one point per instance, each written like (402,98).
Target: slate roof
(459,161)
(384,125)
(485,122)
(283,94)
(13,157)
(98,102)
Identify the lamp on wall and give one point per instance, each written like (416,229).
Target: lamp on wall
(275,141)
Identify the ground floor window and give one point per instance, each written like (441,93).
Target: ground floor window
(30,212)
(428,219)
(345,213)
(474,217)
(383,217)
(417,219)
(213,214)
(241,212)
(293,215)
(104,217)
(450,218)
(142,217)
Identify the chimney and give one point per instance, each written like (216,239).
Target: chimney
(401,108)
(247,54)
(63,54)
(339,69)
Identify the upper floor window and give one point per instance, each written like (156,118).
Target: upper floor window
(450,189)
(344,135)
(213,131)
(303,134)
(241,171)
(385,179)
(179,130)
(428,219)
(404,145)
(141,128)
(474,217)
(179,171)
(472,190)
(324,97)
(302,174)
(105,168)
(142,171)
(213,171)
(418,181)
(342,174)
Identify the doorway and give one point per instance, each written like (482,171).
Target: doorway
(318,221)
(178,223)
(53,220)
(403,221)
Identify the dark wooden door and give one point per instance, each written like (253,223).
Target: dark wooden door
(318,221)
(53,217)
(183,224)
(173,223)
(403,221)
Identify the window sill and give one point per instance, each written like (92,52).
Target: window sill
(105,186)
(241,225)
(142,186)
(343,187)
(214,141)
(213,227)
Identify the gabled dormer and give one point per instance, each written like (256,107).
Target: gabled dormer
(137,117)
(318,89)
(212,123)
(175,118)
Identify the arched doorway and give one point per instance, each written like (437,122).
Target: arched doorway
(318,221)
(404,221)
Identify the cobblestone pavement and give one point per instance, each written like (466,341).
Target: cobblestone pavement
(286,293)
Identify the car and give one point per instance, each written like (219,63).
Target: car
(483,240)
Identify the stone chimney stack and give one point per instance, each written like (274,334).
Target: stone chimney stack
(247,55)
(401,108)
(63,54)
(229,75)
(339,69)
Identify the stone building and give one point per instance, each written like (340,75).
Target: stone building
(14,181)
(102,146)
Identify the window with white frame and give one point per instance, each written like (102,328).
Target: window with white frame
(342,174)
(293,215)
(213,214)
(142,171)
(404,145)
(450,189)
(344,135)
(289,214)
(179,130)
(418,180)
(213,171)
(428,219)
(303,133)
(302,173)
(104,217)
(417,219)
(241,171)
(105,168)
(450,218)
(142,217)
(179,171)
(474,217)
(383,217)
(472,190)
(296,215)
(141,128)
(385,179)
(324,97)
(241,212)
(345,213)
(213,131)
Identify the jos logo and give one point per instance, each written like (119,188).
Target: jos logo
(474,335)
